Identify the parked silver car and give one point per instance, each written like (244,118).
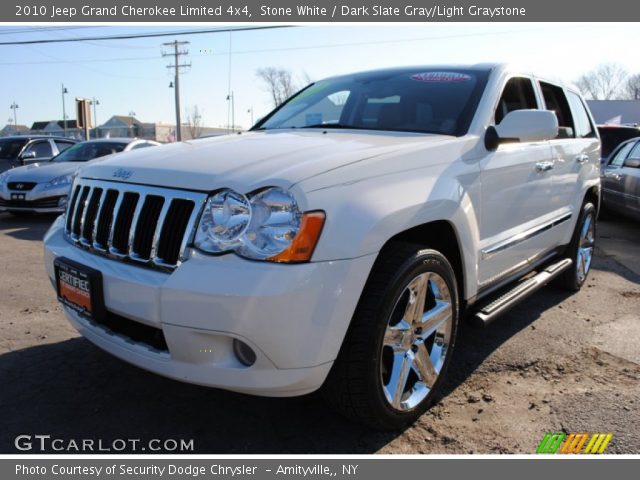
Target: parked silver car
(621,180)
(44,187)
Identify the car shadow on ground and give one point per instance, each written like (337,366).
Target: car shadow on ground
(28,227)
(73,390)
(474,344)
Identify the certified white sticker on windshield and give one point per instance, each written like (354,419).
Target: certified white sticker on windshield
(441,77)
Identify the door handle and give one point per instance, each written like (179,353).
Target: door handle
(613,176)
(544,166)
(582,158)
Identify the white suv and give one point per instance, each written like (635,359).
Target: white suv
(338,243)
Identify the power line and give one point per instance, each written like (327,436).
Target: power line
(12,31)
(278,49)
(144,35)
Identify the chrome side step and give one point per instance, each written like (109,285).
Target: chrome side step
(489,311)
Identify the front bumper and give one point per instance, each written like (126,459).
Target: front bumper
(294,317)
(37,200)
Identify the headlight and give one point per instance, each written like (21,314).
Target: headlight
(265,225)
(3,178)
(61,181)
(226,217)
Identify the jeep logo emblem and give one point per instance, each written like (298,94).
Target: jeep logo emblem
(122,173)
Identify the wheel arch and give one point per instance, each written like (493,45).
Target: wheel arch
(439,235)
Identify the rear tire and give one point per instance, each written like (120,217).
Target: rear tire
(580,250)
(400,341)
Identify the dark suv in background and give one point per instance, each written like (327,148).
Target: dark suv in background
(24,149)
(613,135)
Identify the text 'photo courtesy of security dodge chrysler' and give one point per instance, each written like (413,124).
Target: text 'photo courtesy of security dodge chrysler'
(339,243)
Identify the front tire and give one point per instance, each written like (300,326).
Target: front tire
(399,345)
(581,249)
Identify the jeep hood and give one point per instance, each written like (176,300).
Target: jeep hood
(254,159)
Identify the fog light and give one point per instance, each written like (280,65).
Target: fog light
(244,352)
(62,201)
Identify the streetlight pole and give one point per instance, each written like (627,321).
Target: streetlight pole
(131,115)
(233,112)
(14,107)
(64,110)
(95,102)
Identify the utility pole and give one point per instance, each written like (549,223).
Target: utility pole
(177,53)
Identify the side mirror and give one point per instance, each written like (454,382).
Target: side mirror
(632,163)
(28,155)
(522,126)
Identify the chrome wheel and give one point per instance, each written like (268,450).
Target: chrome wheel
(416,341)
(585,247)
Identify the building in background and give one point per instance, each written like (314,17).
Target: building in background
(11,129)
(615,112)
(116,126)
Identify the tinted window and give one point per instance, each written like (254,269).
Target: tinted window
(635,153)
(611,137)
(42,149)
(10,148)
(556,101)
(402,100)
(81,152)
(621,155)
(62,145)
(582,124)
(518,94)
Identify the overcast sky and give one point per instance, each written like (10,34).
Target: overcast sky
(131,75)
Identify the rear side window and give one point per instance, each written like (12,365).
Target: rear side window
(517,95)
(556,101)
(582,124)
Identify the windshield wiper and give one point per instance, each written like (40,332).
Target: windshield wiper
(329,125)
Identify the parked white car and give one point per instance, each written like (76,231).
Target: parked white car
(43,187)
(340,242)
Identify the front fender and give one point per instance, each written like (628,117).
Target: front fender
(363,215)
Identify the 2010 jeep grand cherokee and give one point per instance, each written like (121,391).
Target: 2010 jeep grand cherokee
(339,242)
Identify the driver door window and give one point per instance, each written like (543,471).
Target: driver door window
(518,94)
(41,149)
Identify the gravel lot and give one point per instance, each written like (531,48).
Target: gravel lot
(558,362)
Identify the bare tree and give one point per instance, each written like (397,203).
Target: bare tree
(632,87)
(194,121)
(278,82)
(605,82)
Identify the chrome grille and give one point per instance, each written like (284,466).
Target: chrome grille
(145,225)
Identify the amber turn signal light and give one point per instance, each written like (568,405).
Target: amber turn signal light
(304,243)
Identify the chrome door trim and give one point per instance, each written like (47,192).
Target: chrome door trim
(524,236)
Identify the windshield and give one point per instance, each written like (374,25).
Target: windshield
(428,101)
(11,148)
(82,152)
